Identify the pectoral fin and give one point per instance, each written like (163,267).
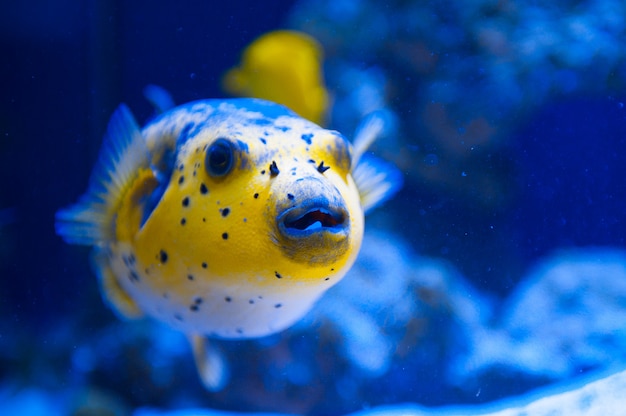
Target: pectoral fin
(123,155)
(376,181)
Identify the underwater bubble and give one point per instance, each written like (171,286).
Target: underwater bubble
(30,401)
(83,359)
(299,373)
(431,159)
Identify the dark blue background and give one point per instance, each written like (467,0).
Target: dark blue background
(65,66)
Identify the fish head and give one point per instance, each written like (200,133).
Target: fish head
(267,200)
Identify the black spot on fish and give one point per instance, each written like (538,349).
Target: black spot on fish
(239,331)
(263,140)
(194,172)
(178,317)
(181,179)
(278,305)
(183,221)
(307,138)
(225,236)
(328,278)
(251,301)
(228,299)
(190,276)
(321,168)
(278,275)
(186,201)
(203,189)
(163,256)
(203,219)
(290,197)
(132,259)
(198,300)
(256,195)
(311,161)
(181,167)
(263,172)
(194,308)
(133,276)
(274,171)
(225,212)
(204,265)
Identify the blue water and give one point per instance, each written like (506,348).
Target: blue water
(485,209)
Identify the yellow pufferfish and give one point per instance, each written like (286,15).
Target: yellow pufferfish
(225,218)
(284,66)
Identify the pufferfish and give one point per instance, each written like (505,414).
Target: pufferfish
(284,66)
(225,218)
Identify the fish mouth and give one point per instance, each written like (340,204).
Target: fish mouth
(310,219)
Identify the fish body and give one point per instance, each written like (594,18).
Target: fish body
(223,218)
(283,66)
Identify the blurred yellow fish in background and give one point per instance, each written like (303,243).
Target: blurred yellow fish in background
(285,67)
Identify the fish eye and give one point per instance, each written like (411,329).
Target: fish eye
(219,158)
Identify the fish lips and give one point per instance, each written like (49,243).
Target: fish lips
(312,218)
(312,222)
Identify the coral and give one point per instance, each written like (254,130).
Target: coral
(462,76)
(563,319)
(401,328)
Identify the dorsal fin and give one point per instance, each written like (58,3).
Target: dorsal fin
(159,97)
(123,153)
(375,179)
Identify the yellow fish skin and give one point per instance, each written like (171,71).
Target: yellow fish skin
(221,218)
(285,67)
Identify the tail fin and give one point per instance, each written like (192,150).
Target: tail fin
(90,221)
